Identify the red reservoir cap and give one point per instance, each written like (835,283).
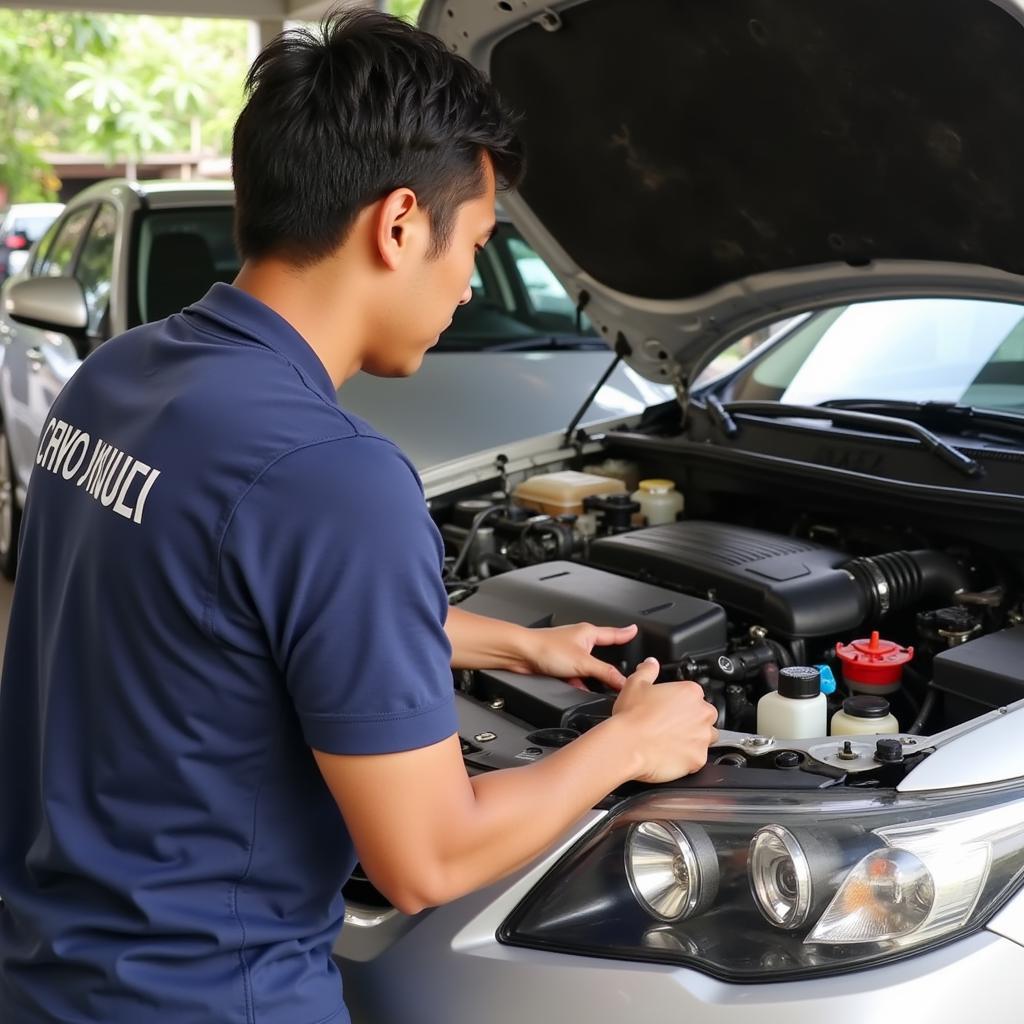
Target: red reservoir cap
(873,662)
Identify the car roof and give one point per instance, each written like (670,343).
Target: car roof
(162,194)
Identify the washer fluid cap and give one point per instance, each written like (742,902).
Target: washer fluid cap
(873,662)
(657,486)
(799,682)
(866,706)
(828,681)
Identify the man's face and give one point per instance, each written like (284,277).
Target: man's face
(429,287)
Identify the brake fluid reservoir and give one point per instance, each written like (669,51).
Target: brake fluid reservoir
(864,715)
(659,500)
(873,665)
(799,709)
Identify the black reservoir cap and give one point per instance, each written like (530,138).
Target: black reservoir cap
(799,682)
(866,706)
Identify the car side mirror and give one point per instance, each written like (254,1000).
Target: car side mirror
(49,303)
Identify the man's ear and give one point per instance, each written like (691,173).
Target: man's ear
(399,217)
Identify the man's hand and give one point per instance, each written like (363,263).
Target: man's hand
(565,653)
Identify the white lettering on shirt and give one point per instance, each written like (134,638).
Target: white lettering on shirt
(109,475)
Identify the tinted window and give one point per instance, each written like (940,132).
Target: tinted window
(44,247)
(95,268)
(945,350)
(58,259)
(179,254)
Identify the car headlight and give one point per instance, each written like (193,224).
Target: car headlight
(757,886)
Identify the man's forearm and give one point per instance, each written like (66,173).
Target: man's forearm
(481,642)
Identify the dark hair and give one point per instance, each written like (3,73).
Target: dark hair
(335,119)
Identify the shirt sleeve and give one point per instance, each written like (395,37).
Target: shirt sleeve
(331,566)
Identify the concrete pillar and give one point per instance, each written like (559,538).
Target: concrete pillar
(261,33)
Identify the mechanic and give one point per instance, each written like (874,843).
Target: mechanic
(235,624)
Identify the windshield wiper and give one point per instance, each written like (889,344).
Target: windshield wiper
(874,421)
(936,415)
(548,343)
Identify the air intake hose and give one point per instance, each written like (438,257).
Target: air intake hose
(902,579)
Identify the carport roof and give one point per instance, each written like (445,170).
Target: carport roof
(255,10)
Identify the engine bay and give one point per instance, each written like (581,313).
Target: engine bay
(905,633)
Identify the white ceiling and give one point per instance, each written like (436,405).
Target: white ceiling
(256,10)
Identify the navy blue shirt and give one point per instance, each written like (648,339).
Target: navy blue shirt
(219,569)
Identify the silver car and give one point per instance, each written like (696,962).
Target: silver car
(854,492)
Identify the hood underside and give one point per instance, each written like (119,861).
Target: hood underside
(701,166)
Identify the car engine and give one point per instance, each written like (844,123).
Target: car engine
(918,633)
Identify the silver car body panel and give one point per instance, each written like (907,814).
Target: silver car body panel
(460,403)
(983,751)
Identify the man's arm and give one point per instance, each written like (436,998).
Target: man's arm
(563,651)
(426,832)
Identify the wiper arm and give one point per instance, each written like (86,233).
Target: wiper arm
(893,424)
(936,414)
(549,343)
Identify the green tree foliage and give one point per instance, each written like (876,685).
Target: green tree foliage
(33,45)
(116,86)
(408,9)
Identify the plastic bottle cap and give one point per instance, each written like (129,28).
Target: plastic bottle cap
(799,682)
(866,706)
(657,486)
(873,661)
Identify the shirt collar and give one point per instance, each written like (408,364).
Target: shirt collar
(244,314)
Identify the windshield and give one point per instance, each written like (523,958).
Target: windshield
(516,299)
(964,351)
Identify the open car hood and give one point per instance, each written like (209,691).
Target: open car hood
(698,168)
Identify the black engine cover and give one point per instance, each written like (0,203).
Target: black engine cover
(790,586)
(672,626)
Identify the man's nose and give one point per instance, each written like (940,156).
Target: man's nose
(466,295)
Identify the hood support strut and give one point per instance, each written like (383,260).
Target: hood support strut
(622,349)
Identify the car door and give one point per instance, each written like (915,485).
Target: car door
(36,362)
(59,356)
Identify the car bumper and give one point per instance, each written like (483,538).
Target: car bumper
(446,967)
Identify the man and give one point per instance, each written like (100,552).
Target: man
(252,633)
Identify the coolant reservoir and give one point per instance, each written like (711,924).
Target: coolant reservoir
(660,502)
(864,715)
(560,494)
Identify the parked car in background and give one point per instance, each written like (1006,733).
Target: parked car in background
(21,226)
(124,253)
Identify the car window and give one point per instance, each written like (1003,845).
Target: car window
(58,259)
(44,246)
(179,255)
(516,298)
(95,267)
(945,350)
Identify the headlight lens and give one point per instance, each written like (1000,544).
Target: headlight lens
(780,877)
(672,869)
(759,886)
